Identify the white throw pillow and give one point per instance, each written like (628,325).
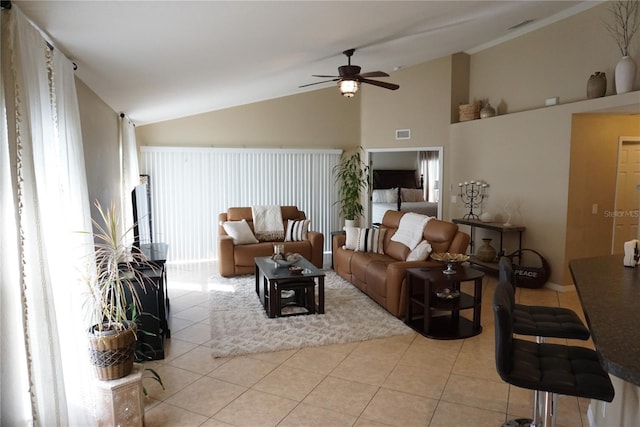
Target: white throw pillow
(240,232)
(351,241)
(412,195)
(297,230)
(420,252)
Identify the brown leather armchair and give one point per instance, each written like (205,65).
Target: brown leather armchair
(238,259)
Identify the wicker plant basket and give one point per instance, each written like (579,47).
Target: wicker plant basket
(469,111)
(112,355)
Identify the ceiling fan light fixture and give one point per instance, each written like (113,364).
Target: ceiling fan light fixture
(348,88)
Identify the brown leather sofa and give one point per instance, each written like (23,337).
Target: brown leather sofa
(238,259)
(382,276)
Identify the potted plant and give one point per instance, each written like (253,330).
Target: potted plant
(352,175)
(113,297)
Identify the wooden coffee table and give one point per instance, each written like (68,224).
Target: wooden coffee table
(272,279)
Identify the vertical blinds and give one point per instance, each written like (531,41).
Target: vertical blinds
(191,186)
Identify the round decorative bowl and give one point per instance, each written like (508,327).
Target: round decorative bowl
(450,260)
(291,259)
(447,294)
(296,270)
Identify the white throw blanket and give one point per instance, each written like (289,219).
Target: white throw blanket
(267,222)
(410,229)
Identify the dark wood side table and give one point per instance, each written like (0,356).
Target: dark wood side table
(422,302)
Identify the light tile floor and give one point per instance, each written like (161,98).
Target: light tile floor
(397,381)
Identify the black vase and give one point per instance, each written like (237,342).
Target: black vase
(597,85)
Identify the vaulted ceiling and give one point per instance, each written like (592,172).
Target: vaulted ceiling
(159,60)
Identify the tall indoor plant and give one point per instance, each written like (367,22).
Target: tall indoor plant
(113,297)
(352,176)
(626,22)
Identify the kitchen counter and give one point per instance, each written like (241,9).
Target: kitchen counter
(610,297)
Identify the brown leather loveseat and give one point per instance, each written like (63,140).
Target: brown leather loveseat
(238,259)
(382,276)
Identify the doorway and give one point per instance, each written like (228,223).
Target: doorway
(407,159)
(627,198)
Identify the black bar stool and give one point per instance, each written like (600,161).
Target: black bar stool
(551,368)
(541,322)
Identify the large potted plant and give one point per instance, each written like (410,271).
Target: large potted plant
(113,297)
(352,176)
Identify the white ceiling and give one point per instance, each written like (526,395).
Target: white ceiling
(159,60)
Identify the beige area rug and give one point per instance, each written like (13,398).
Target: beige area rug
(239,324)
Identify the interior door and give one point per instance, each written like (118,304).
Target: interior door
(626,212)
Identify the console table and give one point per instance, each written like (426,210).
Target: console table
(422,285)
(500,228)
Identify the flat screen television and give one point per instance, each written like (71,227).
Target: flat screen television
(142,229)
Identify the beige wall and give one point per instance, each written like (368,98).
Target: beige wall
(556,60)
(317,119)
(100,144)
(525,158)
(421,104)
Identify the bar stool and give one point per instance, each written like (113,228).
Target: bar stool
(551,368)
(541,322)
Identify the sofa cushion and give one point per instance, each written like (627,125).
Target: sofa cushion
(240,232)
(440,234)
(297,230)
(396,250)
(361,262)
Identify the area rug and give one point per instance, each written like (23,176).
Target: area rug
(239,323)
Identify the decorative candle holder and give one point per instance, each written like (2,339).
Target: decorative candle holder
(472,194)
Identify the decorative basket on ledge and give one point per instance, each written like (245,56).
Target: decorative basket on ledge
(470,111)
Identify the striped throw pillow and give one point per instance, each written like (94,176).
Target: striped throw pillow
(297,230)
(370,240)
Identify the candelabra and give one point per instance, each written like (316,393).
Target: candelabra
(472,194)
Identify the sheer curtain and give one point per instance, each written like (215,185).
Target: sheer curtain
(129,168)
(45,373)
(429,168)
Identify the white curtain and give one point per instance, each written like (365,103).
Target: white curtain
(429,168)
(44,362)
(129,169)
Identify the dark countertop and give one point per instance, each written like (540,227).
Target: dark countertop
(610,297)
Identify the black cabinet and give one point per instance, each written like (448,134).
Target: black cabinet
(154,318)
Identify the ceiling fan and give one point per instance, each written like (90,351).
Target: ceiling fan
(349,78)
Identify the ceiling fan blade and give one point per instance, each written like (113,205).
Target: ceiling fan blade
(391,86)
(317,83)
(374,74)
(323,76)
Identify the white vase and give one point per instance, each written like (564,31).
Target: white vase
(350,222)
(625,74)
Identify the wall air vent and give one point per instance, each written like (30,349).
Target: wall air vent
(403,133)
